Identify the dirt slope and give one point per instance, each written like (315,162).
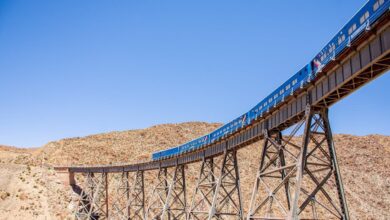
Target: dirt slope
(121,146)
(31,191)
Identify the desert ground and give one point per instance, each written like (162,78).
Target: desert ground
(31,189)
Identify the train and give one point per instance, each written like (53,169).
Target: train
(362,21)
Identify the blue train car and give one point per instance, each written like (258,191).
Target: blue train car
(171,152)
(194,144)
(230,127)
(297,81)
(164,154)
(217,134)
(359,23)
(156,155)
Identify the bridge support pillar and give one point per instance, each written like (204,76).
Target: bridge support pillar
(81,198)
(204,191)
(66,176)
(159,195)
(136,204)
(299,179)
(176,204)
(127,196)
(92,203)
(168,199)
(120,196)
(218,196)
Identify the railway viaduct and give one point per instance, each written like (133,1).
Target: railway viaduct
(295,180)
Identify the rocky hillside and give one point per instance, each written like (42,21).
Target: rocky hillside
(364,163)
(120,146)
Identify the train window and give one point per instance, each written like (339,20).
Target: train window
(341,39)
(288,87)
(352,29)
(323,56)
(332,47)
(364,17)
(377,4)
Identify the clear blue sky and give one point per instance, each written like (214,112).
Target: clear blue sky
(73,68)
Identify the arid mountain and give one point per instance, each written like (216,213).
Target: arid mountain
(32,191)
(121,146)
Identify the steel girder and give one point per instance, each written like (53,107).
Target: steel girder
(218,196)
(128,200)
(159,195)
(176,203)
(168,199)
(296,179)
(299,180)
(97,189)
(204,191)
(81,200)
(96,200)
(121,197)
(137,197)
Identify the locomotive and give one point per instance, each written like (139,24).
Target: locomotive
(360,22)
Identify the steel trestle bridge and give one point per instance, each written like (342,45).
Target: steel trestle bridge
(295,180)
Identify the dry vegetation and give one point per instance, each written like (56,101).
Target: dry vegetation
(120,146)
(29,190)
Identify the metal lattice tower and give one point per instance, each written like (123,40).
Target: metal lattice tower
(218,196)
(204,191)
(137,197)
(81,201)
(299,180)
(176,204)
(98,190)
(168,199)
(120,207)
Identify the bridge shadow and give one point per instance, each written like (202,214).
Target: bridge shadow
(84,204)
